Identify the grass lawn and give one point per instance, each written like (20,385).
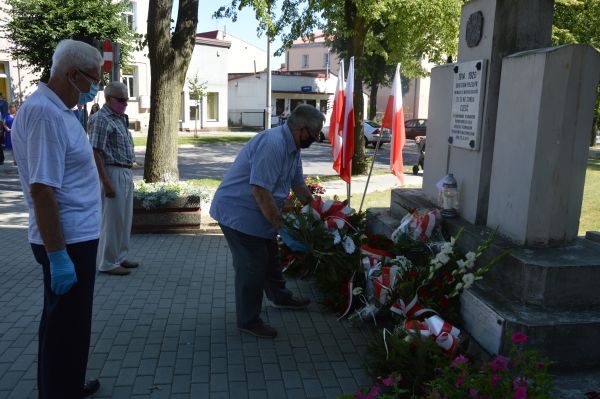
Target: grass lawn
(590,209)
(141,141)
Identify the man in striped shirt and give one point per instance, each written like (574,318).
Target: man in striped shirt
(114,156)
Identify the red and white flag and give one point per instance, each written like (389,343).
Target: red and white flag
(343,165)
(336,122)
(394,119)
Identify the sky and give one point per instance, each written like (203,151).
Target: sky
(244,28)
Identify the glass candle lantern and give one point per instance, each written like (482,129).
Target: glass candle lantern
(448,196)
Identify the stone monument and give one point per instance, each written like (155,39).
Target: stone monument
(511,121)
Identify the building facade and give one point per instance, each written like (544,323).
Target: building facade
(316,56)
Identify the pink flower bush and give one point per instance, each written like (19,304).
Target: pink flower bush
(520,393)
(521,374)
(519,338)
(499,363)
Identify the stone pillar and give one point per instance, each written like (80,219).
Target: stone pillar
(440,108)
(545,112)
(506,27)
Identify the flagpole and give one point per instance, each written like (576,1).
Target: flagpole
(377,145)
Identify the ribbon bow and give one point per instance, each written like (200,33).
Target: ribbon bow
(333,213)
(443,333)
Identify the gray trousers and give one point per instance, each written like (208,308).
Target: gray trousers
(117,215)
(257,269)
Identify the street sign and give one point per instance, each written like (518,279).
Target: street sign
(306,89)
(107,50)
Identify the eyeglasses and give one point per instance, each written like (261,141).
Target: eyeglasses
(120,99)
(311,134)
(89,77)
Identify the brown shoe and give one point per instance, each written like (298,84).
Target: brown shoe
(294,303)
(129,264)
(260,330)
(117,271)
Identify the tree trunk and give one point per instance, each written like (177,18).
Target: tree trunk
(373,102)
(170,55)
(356,48)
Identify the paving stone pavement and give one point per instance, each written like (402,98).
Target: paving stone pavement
(168,330)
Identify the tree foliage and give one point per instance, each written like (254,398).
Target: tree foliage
(34,27)
(170,52)
(377,33)
(578,21)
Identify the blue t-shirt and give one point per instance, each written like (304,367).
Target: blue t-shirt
(270,160)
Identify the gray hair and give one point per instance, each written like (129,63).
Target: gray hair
(73,53)
(307,116)
(114,89)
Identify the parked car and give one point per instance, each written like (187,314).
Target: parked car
(372,132)
(415,127)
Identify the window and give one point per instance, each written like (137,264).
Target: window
(279,106)
(194,114)
(294,103)
(130,16)
(127,77)
(212,105)
(312,102)
(4,81)
(323,106)
(304,60)
(326,59)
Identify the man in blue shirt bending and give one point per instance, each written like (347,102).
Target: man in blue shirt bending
(248,205)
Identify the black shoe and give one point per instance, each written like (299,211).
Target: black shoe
(260,330)
(292,303)
(90,388)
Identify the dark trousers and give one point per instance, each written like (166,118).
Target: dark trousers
(65,326)
(257,269)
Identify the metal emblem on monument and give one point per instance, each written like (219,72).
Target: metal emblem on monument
(474,29)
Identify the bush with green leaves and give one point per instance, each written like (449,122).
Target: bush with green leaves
(155,195)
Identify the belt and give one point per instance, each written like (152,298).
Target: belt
(120,165)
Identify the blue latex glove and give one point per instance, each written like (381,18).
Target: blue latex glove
(294,245)
(62,272)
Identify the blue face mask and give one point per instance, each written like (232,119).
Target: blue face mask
(85,98)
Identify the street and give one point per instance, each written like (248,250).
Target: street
(206,161)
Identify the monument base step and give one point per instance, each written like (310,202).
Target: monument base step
(546,293)
(569,338)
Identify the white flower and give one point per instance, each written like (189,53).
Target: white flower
(462,265)
(452,240)
(336,237)
(471,256)
(357,291)
(458,286)
(447,248)
(396,235)
(442,258)
(349,246)
(468,279)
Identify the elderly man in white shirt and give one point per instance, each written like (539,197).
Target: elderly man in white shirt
(62,192)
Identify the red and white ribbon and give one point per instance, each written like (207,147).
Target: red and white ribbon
(412,310)
(416,326)
(384,284)
(438,326)
(333,213)
(375,253)
(349,289)
(447,342)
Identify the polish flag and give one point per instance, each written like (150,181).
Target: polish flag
(335,123)
(344,167)
(393,119)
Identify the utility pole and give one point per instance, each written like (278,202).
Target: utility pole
(268,107)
